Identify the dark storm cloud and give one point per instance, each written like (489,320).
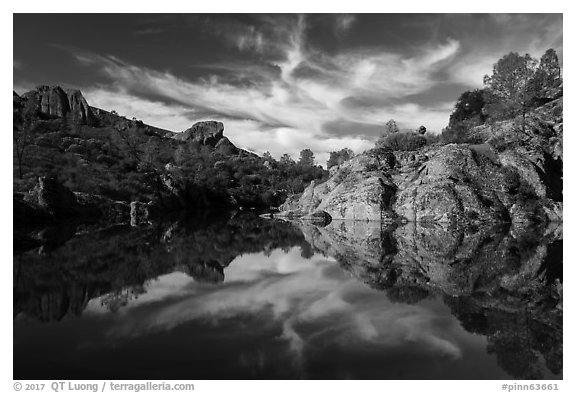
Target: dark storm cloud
(281,82)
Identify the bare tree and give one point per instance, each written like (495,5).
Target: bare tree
(23,126)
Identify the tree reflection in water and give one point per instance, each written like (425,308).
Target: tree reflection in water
(501,282)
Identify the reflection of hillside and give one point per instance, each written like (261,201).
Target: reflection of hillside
(505,283)
(60,277)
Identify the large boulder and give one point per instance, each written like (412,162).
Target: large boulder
(205,133)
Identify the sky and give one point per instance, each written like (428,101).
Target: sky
(282,82)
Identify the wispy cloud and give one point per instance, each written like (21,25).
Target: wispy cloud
(278,90)
(172,117)
(522,33)
(291,107)
(283,289)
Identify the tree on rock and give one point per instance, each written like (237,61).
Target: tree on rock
(389,128)
(306,158)
(286,159)
(550,67)
(468,107)
(509,89)
(548,76)
(23,124)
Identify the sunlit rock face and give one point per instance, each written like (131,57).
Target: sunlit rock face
(497,279)
(507,175)
(358,190)
(55,102)
(455,184)
(204,132)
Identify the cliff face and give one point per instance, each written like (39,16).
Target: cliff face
(512,173)
(55,102)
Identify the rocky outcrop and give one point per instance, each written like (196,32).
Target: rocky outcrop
(211,134)
(225,147)
(361,189)
(50,202)
(455,184)
(513,174)
(57,200)
(55,102)
(205,133)
(79,108)
(17,100)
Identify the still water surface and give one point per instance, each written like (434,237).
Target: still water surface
(247,298)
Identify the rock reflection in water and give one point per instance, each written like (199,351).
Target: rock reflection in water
(499,282)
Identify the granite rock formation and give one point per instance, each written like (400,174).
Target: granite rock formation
(204,132)
(512,173)
(55,102)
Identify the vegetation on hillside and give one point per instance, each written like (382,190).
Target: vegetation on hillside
(128,160)
(518,84)
(339,157)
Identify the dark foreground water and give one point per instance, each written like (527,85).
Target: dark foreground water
(239,297)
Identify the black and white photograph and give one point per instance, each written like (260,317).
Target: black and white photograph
(287,196)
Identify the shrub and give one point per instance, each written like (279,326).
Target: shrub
(459,132)
(339,157)
(404,141)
